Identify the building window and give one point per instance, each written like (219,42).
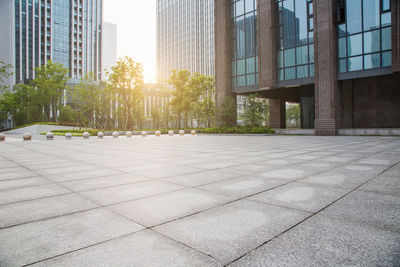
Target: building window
(245,60)
(364,35)
(295,39)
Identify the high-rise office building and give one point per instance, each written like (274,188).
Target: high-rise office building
(109,46)
(185,36)
(64,31)
(339,59)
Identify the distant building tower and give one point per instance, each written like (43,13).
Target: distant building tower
(109,47)
(185,37)
(64,31)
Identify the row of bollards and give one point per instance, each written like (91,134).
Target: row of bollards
(100,135)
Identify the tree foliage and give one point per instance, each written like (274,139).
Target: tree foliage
(254,110)
(293,115)
(126,84)
(227,111)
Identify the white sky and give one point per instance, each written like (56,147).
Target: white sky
(136,31)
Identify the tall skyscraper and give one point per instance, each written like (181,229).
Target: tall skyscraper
(109,46)
(185,36)
(339,60)
(64,31)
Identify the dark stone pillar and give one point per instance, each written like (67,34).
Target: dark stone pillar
(395,4)
(223,57)
(277,113)
(328,100)
(267,43)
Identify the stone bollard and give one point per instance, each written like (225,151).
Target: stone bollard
(50,136)
(27,137)
(144,134)
(68,136)
(193,132)
(115,134)
(128,134)
(2,137)
(158,133)
(171,133)
(100,135)
(86,135)
(181,132)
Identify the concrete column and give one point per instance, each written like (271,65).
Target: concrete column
(267,47)
(328,99)
(277,113)
(395,4)
(223,55)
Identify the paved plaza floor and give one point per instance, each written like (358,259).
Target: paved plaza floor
(200,201)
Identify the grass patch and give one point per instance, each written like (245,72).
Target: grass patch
(237,130)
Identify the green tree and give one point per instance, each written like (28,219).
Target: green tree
(293,115)
(254,110)
(126,82)
(4,74)
(68,114)
(202,90)
(180,95)
(227,112)
(50,82)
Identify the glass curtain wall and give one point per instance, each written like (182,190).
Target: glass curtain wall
(295,39)
(245,60)
(364,35)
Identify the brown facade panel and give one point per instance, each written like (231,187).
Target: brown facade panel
(267,43)
(328,117)
(277,113)
(376,102)
(223,54)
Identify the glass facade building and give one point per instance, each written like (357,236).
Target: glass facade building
(364,35)
(64,31)
(185,36)
(339,59)
(295,39)
(244,43)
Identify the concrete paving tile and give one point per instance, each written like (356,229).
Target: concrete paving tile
(16,175)
(377,209)
(394,171)
(12,169)
(337,178)
(288,173)
(232,230)
(66,169)
(32,192)
(28,211)
(11,184)
(145,248)
(383,183)
(167,172)
(166,207)
(307,197)
(323,241)
(36,241)
(243,186)
(204,177)
(102,182)
(128,192)
(72,176)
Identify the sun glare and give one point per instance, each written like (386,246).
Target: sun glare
(136,31)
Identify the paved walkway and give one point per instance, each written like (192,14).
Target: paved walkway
(201,201)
